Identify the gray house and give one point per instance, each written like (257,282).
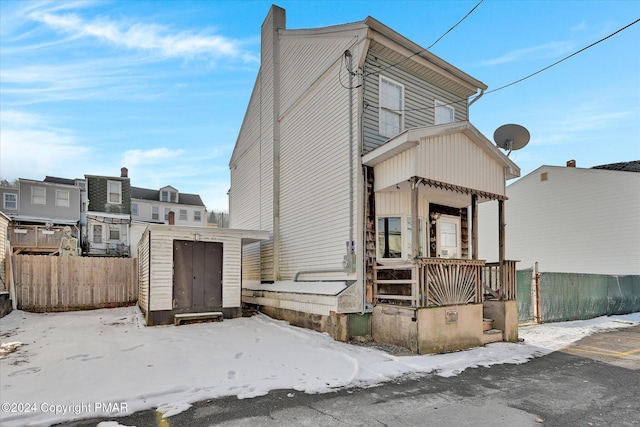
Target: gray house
(356,153)
(47,216)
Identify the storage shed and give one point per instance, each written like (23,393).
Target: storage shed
(189,271)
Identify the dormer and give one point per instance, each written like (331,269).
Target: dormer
(169,194)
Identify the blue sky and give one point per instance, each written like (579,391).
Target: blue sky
(161,87)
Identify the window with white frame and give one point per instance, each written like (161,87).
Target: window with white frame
(62,198)
(10,201)
(114,233)
(134,209)
(390,237)
(97,233)
(38,196)
(114,189)
(168,196)
(197,216)
(166,213)
(444,113)
(155,213)
(422,237)
(183,214)
(391,116)
(395,237)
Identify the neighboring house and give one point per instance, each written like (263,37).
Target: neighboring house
(5,299)
(357,155)
(164,206)
(576,232)
(572,220)
(47,216)
(158,206)
(108,215)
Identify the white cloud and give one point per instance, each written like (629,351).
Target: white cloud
(30,143)
(148,37)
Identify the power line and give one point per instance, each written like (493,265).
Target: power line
(432,44)
(563,59)
(539,71)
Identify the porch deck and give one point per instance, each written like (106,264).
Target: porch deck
(429,282)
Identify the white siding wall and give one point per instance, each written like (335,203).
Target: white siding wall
(143,272)
(161,273)
(145,212)
(578,221)
(315,176)
(452,158)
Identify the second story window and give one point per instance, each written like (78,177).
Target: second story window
(443,113)
(38,196)
(115,192)
(10,201)
(62,198)
(391,107)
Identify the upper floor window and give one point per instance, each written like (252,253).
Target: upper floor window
(62,198)
(134,209)
(197,216)
(391,107)
(38,196)
(115,192)
(10,201)
(443,113)
(169,196)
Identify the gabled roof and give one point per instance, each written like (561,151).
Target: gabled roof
(632,166)
(154,195)
(411,137)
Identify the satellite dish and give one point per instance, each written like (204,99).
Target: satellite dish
(511,137)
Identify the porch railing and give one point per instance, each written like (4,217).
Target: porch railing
(441,281)
(35,237)
(499,283)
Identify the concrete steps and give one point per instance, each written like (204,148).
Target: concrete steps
(489,334)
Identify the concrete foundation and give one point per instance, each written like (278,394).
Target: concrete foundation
(505,317)
(335,325)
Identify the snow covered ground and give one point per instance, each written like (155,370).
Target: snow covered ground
(65,366)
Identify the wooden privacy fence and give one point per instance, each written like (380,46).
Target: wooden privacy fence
(66,283)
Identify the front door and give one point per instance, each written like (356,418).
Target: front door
(197,275)
(448,229)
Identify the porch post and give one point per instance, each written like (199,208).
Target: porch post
(501,227)
(415,224)
(474,226)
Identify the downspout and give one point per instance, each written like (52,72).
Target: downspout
(476,98)
(347,54)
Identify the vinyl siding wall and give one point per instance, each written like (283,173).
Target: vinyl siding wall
(50,210)
(143,272)
(577,221)
(451,158)
(419,97)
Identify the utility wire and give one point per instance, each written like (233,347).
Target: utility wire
(563,59)
(539,71)
(432,44)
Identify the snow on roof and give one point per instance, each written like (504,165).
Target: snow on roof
(318,288)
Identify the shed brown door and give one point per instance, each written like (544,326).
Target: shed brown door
(197,275)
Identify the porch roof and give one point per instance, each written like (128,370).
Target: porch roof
(411,138)
(454,157)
